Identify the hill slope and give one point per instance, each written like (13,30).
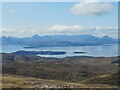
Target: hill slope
(111,79)
(64,69)
(14,81)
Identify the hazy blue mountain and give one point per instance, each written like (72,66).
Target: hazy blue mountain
(11,40)
(59,40)
(107,39)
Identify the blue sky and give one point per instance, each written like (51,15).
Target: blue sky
(24,19)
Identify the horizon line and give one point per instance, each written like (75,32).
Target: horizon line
(56,35)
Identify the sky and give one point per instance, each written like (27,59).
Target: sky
(24,19)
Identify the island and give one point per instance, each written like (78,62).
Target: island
(29,47)
(80,57)
(21,52)
(79,52)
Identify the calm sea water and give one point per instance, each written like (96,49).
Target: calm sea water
(97,51)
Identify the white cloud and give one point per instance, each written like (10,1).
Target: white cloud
(2,28)
(11,10)
(91,8)
(78,30)
(65,27)
(6,30)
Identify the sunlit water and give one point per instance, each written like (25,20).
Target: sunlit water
(97,51)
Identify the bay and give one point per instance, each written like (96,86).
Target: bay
(96,51)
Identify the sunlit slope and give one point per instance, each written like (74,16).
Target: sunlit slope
(111,79)
(14,81)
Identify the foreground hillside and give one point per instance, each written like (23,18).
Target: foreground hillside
(88,70)
(111,79)
(14,81)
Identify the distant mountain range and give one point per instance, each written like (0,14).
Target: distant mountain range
(58,40)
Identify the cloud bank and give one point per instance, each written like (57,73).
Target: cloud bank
(63,30)
(81,30)
(91,8)
(64,27)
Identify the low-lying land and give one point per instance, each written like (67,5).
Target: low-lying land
(89,71)
(79,52)
(39,52)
